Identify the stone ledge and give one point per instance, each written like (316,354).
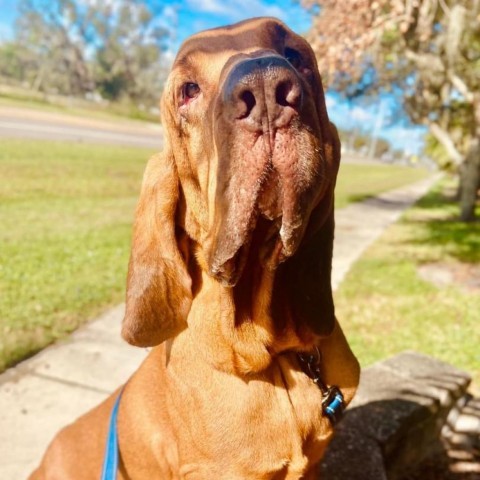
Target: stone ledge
(396,418)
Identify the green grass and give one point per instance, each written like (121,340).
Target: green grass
(66,213)
(386,307)
(357,182)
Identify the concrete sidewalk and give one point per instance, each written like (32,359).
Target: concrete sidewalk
(50,390)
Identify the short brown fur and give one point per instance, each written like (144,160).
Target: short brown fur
(222,395)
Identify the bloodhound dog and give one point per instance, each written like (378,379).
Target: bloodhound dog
(229,276)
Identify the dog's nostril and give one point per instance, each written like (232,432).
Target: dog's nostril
(248,99)
(287,94)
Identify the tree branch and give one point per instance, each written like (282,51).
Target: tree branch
(455,29)
(461,86)
(444,6)
(425,61)
(444,138)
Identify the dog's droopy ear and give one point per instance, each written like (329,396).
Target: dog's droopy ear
(158,285)
(309,270)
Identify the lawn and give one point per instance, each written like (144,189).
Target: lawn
(388,304)
(357,182)
(66,213)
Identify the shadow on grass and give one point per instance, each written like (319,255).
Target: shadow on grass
(461,240)
(378,201)
(360,197)
(438,214)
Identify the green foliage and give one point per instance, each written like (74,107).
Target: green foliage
(428,51)
(357,141)
(435,150)
(112,87)
(85,48)
(11,65)
(124,59)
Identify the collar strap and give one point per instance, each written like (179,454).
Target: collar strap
(333,402)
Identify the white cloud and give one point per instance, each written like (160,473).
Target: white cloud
(94,3)
(209,6)
(348,117)
(236,10)
(359,114)
(410,139)
(170,13)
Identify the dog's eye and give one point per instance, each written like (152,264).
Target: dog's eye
(293,57)
(190,90)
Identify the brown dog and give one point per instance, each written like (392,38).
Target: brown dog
(229,275)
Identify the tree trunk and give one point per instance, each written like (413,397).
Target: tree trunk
(37,83)
(469,182)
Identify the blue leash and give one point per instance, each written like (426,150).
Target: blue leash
(110,462)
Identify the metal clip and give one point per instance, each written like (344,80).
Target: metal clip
(333,403)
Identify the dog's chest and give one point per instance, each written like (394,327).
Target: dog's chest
(268,427)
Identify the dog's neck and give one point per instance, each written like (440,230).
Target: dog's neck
(240,336)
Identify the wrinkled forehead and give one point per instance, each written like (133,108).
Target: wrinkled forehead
(214,47)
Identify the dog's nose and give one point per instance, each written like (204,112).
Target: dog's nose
(263,93)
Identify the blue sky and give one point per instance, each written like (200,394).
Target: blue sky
(7,18)
(185,17)
(194,15)
(190,16)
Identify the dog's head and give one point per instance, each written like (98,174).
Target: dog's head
(246,177)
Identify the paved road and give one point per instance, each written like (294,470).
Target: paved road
(26,123)
(48,391)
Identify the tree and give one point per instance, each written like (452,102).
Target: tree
(430,49)
(52,35)
(12,63)
(128,54)
(77,47)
